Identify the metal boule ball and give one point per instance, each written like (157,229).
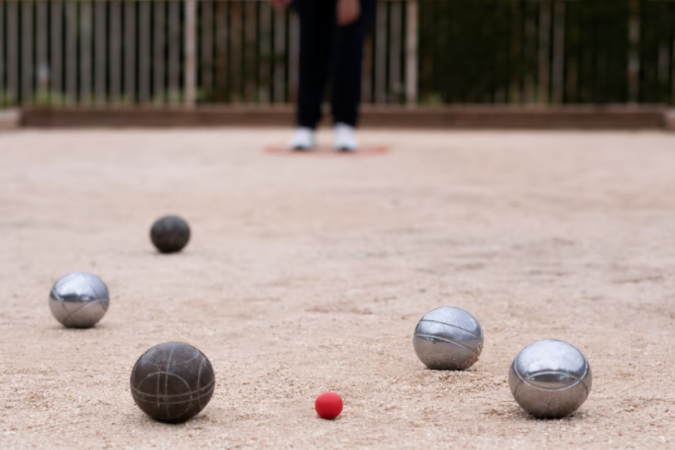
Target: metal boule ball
(79,300)
(172,382)
(448,338)
(550,379)
(170,234)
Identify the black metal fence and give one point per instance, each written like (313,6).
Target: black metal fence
(164,52)
(187,52)
(586,51)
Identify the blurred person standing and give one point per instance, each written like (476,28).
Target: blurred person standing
(332,37)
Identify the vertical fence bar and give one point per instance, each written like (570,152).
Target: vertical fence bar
(254,51)
(27,75)
(279,56)
(575,92)
(558,69)
(544,50)
(13,51)
(531,51)
(294,57)
(264,89)
(86,27)
(242,57)
(71,52)
(516,53)
(672,57)
(206,44)
(100,55)
(42,52)
(395,82)
(220,52)
(56,57)
(223,51)
(3,65)
(234,66)
(381,53)
(130,45)
(190,99)
(115,48)
(412,52)
(158,54)
(144,52)
(177,40)
(634,51)
(250,52)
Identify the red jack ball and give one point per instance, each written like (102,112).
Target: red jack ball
(328,405)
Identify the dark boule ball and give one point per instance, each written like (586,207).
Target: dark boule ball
(172,382)
(170,234)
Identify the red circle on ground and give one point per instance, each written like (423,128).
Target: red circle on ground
(327,151)
(328,405)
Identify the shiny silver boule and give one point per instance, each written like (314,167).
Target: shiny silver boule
(550,379)
(448,338)
(79,300)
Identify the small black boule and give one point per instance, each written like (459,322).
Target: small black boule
(170,234)
(172,382)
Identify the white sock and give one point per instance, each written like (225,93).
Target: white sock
(344,138)
(303,140)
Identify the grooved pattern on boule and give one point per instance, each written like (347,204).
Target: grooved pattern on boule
(172,382)
(448,338)
(79,300)
(550,379)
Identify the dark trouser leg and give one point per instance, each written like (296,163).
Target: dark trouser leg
(347,65)
(317,19)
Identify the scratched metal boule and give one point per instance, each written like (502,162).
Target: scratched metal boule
(79,300)
(550,379)
(448,338)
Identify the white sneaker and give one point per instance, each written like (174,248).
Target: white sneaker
(345,141)
(303,140)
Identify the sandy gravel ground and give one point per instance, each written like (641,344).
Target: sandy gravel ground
(308,274)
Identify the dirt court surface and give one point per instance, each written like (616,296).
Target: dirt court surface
(308,274)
